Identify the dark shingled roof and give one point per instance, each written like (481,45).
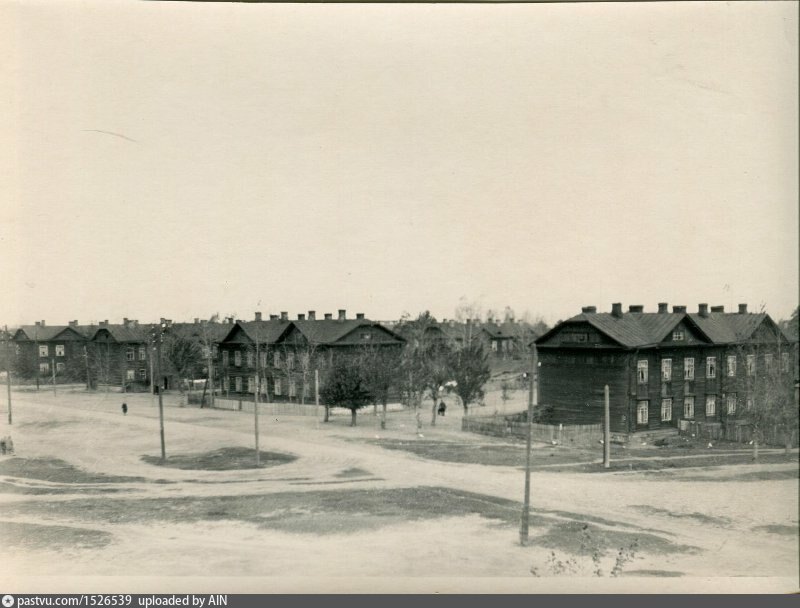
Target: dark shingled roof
(640,329)
(49,332)
(125,333)
(263,332)
(215,332)
(328,331)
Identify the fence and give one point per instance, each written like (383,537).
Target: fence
(516,426)
(246,405)
(739,432)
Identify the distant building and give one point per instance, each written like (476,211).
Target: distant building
(661,367)
(42,351)
(119,355)
(286,352)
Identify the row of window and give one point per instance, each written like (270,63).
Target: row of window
(711,367)
(235,383)
(250,359)
(44,350)
(642,408)
(44,367)
(131,374)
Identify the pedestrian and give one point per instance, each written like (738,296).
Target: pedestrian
(124,409)
(442,408)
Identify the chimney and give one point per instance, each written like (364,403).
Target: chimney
(73,323)
(663,307)
(513,320)
(284,315)
(490,319)
(586,309)
(702,310)
(43,324)
(360,315)
(635,308)
(679,309)
(258,316)
(616,309)
(238,320)
(717,309)
(103,323)
(342,314)
(38,323)
(328,316)
(196,320)
(312,315)
(301,317)
(125,321)
(452,323)
(273,317)
(742,311)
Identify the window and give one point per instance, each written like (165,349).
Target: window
(277,388)
(292,388)
(785,362)
(225,358)
(678,335)
(751,365)
(59,350)
(43,350)
(263,357)
(290,361)
(129,354)
(688,407)
(237,358)
(666,410)
(768,361)
(130,374)
(731,403)
(251,384)
(59,367)
(306,388)
(237,382)
(641,371)
(749,403)
(226,383)
(276,360)
(711,367)
(494,346)
(143,374)
(688,368)
(215,351)
(666,370)
(731,365)
(711,406)
(44,367)
(250,359)
(142,353)
(641,412)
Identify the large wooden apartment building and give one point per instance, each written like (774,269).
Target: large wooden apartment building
(661,367)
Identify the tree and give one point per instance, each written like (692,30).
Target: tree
(420,333)
(772,405)
(183,357)
(469,368)
(380,369)
(345,387)
(507,390)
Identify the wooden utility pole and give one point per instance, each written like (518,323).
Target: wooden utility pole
(255,407)
(532,402)
(160,398)
(86,361)
(606,430)
(53,374)
(316,395)
(8,374)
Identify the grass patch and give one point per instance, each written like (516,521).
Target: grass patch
(700,517)
(467,453)
(778,529)
(15,535)
(353,472)
(55,470)
(225,459)
(777,475)
(664,573)
(568,537)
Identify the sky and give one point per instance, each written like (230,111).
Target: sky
(179,160)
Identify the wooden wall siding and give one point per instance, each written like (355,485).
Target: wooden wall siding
(573,387)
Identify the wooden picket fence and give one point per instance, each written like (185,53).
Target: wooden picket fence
(515,426)
(739,432)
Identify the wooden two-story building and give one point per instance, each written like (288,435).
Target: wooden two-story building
(44,353)
(286,353)
(661,367)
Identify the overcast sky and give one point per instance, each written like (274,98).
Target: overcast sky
(179,160)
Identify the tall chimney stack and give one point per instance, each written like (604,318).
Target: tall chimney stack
(273,317)
(702,310)
(258,316)
(360,315)
(742,310)
(312,315)
(342,314)
(328,316)
(663,307)
(616,309)
(284,315)
(301,317)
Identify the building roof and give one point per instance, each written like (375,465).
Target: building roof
(328,331)
(45,333)
(125,333)
(214,332)
(640,329)
(263,332)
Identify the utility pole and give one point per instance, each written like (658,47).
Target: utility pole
(8,374)
(157,337)
(532,402)
(316,395)
(606,430)
(86,362)
(255,406)
(53,374)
